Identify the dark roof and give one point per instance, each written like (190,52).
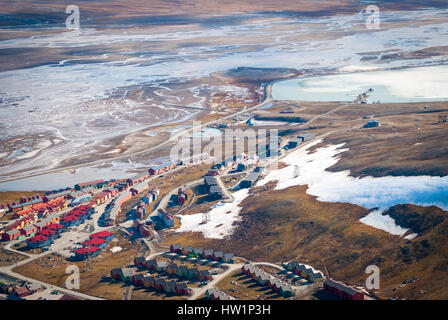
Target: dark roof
(215,189)
(127,272)
(149,278)
(138,276)
(252,177)
(342,287)
(172,265)
(181,285)
(204,272)
(193,270)
(208,251)
(21,290)
(210,180)
(88,249)
(116,270)
(13,231)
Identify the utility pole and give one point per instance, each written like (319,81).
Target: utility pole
(296,171)
(205,217)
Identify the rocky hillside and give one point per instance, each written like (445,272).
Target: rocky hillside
(278,226)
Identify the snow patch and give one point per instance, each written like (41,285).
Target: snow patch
(384,222)
(222,217)
(368,192)
(116,249)
(411,236)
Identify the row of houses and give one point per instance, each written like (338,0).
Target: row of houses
(97,184)
(92,247)
(151,196)
(27,227)
(162,168)
(51,227)
(181,271)
(103,197)
(265,279)
(14,206)
(140,177)
(44,234)
(305,271)
(216,294)
(53,198)
(208,254)
(77,216)
(40,207)
(342,291)
(150,282)
(110,213)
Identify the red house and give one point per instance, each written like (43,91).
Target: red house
(138,280)
(28,230)
(213,172)
(39,241)
(342,291)
(96,242)
(56,227)
(182,288)
(218,255)
(181,198)
(10,235)
(176,248)
(86,252)
(106,235)
(21,292)
(116,273)
(139,261)
(204,275)
(159,284)
(48,233)
(274,284)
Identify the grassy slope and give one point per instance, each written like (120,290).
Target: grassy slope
(279,226)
